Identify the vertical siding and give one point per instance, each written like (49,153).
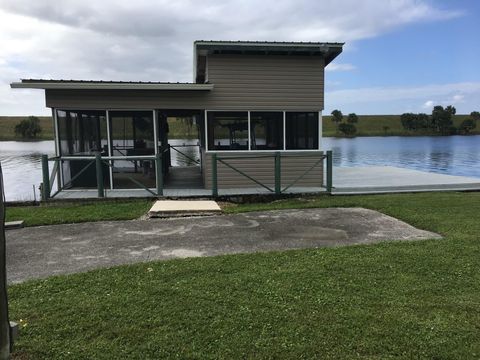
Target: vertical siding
(293,165)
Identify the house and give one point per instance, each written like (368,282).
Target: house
(257,107)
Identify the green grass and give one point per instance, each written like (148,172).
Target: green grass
(373,125)
(7,127)
(64,213)
(389,300)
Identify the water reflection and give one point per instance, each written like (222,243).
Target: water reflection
(454,155)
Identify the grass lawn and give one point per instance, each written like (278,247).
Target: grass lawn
(389,300)
(64,213)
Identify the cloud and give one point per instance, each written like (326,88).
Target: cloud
(340,67)
(428,104)
(390,100)
(152,39)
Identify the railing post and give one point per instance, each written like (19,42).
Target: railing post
(46,178)
(159,173)
(98,164)
(214,176)
(329,171)
(278,174)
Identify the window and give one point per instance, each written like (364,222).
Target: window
(227,130)
(266,129)
(301,130)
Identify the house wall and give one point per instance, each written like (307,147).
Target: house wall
(266,82)
(292,166)
(241,82)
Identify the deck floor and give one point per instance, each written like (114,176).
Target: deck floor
(187,182)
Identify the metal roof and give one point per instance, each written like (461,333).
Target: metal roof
(330,50)
(108,85)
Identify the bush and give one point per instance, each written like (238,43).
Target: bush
(467,125)
(352,118)
(347,129)
(28,128)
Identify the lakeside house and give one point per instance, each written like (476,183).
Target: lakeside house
(257,107)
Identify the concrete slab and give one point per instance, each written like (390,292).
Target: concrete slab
(388,179)
(61,249)
(168,208)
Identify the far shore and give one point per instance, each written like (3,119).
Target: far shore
(368,125)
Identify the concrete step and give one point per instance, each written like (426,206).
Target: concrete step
(14,224)
(179,208)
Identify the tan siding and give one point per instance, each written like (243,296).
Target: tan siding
(293,165)
(241,82)
(259,82)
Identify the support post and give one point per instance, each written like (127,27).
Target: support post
(278,173)
(46,179)
(214,176)
(329,171)
(159,173)
(99,168)
(6,338)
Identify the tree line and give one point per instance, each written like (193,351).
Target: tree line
(440,121)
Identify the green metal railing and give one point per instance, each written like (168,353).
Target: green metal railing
(160,161)
(277,156)
(99,161)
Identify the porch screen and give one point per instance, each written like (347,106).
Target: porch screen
(266,130)
(227,130)
(301,130)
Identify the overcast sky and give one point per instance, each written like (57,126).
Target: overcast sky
(400,55)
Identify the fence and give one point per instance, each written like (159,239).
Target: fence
(160,160)
(277,158)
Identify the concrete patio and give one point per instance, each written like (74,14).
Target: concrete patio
(38,252)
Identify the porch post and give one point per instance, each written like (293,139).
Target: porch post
(214,175)
(46,178)
(329,171)
(98,163)
(159,173)
(278,173)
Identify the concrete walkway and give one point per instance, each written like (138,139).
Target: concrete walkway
(39,252)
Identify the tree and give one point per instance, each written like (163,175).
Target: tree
(422,121)
(442,119)
(347,129)
(337,116)
(28,128)
(467,125)
(352,118)
(475,116)
(408,121)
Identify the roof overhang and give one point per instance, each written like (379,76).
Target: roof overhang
(106,85)
(201,48)
(326,49)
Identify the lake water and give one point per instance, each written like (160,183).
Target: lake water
(453,155)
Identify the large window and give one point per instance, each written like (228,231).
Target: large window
(266,130)
(227,130)
(301,130)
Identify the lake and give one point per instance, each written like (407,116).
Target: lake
(452,155)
